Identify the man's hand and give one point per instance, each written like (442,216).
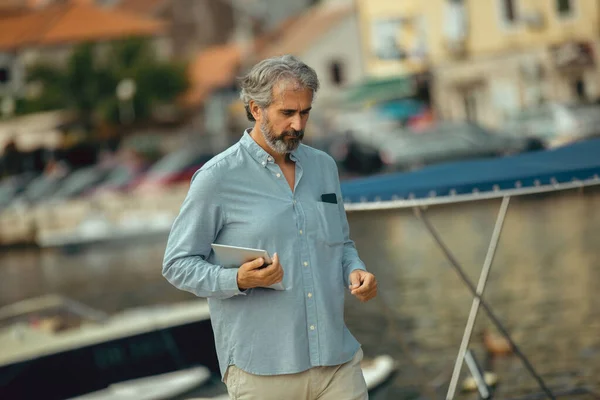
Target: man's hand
(363,285)
(251,275)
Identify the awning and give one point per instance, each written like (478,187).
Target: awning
(568,165)
(374,91)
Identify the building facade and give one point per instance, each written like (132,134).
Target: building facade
(487,58)
(48,34)
(325,38)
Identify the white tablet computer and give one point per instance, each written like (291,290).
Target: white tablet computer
(234,257)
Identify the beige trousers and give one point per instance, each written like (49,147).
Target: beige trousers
(340,382)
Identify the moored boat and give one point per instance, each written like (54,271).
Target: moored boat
(57,348)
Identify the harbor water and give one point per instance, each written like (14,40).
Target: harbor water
(542,286)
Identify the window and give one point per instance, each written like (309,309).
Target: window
(385,35)
(471,99)
(4,75)
(579,89)
(509,10)
(564,7)
(337,73)
(470,105)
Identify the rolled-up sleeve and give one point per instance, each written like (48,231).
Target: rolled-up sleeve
(200,219)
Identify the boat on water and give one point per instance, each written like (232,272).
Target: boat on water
(557,191)
(55,348)
(569,167)
(52,347)
(97,229)
(434,225)
(189,384)
(164,386)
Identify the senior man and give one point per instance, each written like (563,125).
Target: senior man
(271,192)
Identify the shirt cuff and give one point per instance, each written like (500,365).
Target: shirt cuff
(228,282)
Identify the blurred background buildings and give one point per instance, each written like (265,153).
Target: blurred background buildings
(119,88)
(108,107)
(121,84)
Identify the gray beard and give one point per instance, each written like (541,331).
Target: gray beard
(278,143)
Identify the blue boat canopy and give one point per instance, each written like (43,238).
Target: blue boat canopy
(578,162)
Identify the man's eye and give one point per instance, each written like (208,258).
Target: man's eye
(288,113)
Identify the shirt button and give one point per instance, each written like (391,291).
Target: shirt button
(270,158)
(264,163)
(309,295)
(301,231)
(312,327)
(305,264)
(278,175)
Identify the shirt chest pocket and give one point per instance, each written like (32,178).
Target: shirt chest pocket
(329,223)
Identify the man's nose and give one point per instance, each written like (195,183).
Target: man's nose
(297,123)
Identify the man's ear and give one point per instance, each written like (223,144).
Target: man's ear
(255,110)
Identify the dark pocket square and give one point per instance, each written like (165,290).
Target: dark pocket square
(329,198)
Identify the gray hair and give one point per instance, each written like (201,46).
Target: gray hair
(258,84)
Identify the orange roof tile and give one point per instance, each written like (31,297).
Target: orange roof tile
(213,68)
(217,66)
(25,28)
(70,22)
(12,4)
(307,28)
(87,22)
(13,7)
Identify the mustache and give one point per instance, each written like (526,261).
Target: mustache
(294,134)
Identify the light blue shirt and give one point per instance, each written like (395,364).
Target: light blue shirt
(241,198)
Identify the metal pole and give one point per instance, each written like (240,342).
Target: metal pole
(421,215)
(475,305)
(477,374)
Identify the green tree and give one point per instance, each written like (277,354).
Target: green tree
(88,81)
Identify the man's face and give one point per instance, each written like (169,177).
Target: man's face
(283,122)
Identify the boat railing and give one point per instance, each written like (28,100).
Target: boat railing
(496,193)
(49,304)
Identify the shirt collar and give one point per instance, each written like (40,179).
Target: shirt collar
(258,153)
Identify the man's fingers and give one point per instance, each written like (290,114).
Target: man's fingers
(273,270)
(366,286)
(274,263)
(366,296)
(355,280)
(270,271)
(272,278)
(364,291)
(257,276)
(255,264)
(361,291)
(278,277)
(367,290)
